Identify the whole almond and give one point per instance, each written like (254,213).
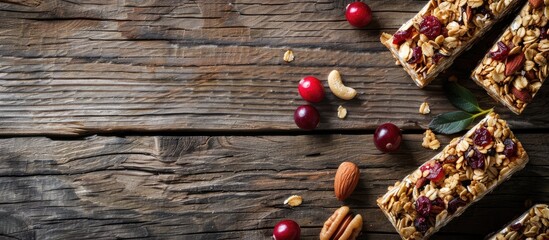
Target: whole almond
(514,63)
(346,179)
(523,95)
(536,3)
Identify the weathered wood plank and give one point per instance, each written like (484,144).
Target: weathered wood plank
(29,3)
(81,67)
(200,187)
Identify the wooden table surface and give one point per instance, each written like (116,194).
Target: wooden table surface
(172,119)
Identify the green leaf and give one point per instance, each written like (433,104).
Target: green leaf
(451,122)
(461,98)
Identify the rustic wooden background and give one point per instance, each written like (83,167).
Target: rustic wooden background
(173,119)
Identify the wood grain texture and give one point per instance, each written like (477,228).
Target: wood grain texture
(199,187)
(90,66)
(28,3)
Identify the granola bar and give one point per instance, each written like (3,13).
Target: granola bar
(516,67)
(429,42)
(443,187)
(533,224)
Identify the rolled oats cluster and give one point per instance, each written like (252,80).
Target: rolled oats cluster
(516,67)
(430,41)
(443,187)
(533,224)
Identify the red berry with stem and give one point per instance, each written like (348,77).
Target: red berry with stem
(358,14)
(287,230)
(306,117)
(387,137)
(311,89)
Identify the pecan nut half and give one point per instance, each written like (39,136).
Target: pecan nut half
(342,225)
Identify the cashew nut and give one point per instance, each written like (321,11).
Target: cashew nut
(337,87)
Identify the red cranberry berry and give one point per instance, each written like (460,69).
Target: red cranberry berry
(435,171)
(475,159)
(501,53)
(515,227)
(287,230)
(311,89)
(437,206)
(454,204)
(306,117)
(387,137)
(401,36)
(482,137)
(438,202)
(430,27)
(510,149)
(423,206)
(416,55)
(421,224)
(437,57)
(358,14)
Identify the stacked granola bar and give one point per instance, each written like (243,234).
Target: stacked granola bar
(533,224)
(429,42)
(516,67)
(443,187)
